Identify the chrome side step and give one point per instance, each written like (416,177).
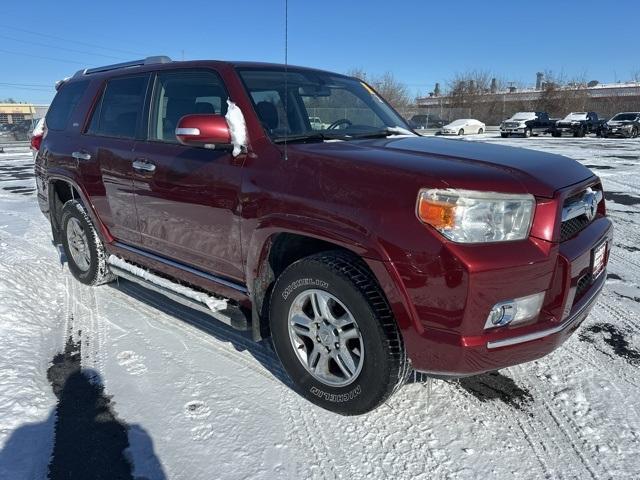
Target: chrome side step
(228,314)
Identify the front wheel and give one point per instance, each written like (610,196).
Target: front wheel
(82,246)
(504,135)
(335,334)
(527,132)
(634,132)
(461,132)
(480,131)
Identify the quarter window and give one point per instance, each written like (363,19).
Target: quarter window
(64,104)
(119,112)
(177,94)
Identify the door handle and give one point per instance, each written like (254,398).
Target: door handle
(144,165)
(81,155)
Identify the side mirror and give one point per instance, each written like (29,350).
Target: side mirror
(203,130)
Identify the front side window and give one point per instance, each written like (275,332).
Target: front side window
(181,93)
(119,112)
(64,104)
(316,103)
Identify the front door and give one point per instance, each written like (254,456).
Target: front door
(187,198)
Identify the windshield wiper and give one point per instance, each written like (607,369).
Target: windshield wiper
(316,136)
(386,132)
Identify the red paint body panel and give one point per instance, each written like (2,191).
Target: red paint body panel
(219,213)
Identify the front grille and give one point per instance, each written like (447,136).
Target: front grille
(571,227)
(583,285)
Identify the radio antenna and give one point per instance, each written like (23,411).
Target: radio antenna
(286,74)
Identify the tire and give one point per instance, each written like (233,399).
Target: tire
(461,132)
(480,131)
(634,132)
(527,132)
(83,247)
(504,135)
(556,134)
(350,291)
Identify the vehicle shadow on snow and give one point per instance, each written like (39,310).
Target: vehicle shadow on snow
(242,341)
(89,441)
(488,387)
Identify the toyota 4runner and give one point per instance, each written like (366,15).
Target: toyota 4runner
(362,250)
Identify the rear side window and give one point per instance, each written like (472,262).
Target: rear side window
(119,111)
(63,105)
(181,93)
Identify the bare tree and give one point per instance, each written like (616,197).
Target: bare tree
(391,89)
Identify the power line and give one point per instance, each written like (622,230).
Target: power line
(42,57)
(14,86)
(27,84)
(84,52)
(55,37)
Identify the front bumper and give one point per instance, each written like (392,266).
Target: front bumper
(449,300)
(621,131)
(516,130)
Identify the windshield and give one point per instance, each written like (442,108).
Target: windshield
(621,117)
(319,104)
(462,121)
(524,116)
(576,116)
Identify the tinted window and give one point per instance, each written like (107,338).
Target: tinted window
(177,94)
(120,110)
(66,100)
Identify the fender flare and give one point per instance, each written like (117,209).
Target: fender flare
(84,198)
(365,247)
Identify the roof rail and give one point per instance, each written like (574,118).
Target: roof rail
(115,66)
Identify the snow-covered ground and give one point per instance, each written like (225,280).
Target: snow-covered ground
(201,401)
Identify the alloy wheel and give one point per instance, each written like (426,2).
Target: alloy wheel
(78,244)
(326,338)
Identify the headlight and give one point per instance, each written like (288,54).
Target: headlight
(467,216)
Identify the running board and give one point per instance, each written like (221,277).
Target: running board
(219,309)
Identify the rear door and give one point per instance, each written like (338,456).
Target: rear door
(107,144)
(188,197)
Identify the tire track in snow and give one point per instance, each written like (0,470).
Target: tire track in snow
(531,435)
(303,435)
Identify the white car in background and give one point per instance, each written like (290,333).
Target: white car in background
(463,126)
(317,123)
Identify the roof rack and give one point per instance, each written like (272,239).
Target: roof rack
(134,63)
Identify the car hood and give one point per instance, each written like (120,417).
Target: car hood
(461,164)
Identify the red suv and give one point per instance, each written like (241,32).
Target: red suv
(362,249)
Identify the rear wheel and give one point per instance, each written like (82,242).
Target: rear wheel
(83,247)
(335,335)
(634,132)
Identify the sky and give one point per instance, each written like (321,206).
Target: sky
(419,42)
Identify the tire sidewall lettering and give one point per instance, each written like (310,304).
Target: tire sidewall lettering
(336,397)
(303,282)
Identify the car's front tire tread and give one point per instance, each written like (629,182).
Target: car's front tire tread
(350,270)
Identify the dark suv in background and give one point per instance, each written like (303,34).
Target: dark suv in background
(362,249)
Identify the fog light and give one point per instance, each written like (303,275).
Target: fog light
(515,311)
